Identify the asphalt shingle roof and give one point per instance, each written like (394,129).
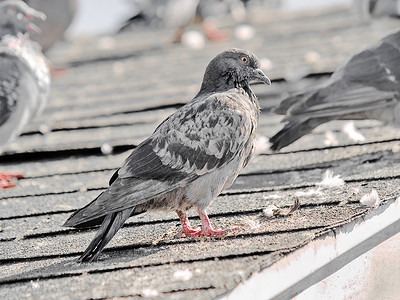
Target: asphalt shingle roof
(104,100)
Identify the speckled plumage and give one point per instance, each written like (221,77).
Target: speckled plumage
(191,156)
(366,87)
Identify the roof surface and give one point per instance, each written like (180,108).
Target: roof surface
(115,91)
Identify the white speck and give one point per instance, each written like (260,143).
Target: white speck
(106,149)
(309,193)
(266,64)
(330,139)
(312,57)
(262,144)
(183,275)
(352,132)
(271,211)
(253,224)
(118,68)
(35,284)
(44,129)
(245,32)
(371,199)
(193,39)
(83,189)
(106,43)
(392,78)
(271,197)
(330,181)
(149,293)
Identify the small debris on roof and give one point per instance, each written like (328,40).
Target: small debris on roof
(329,181)
(183,275)
(350,129)
(148,292)
(273,210)
(193,39)
(262,144)
(372,199)
(330,139)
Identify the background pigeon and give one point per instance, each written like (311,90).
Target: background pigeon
(189,159)
(24,76)
(59,13)
(366,87)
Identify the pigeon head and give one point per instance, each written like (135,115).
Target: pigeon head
(16,16)
(234,68)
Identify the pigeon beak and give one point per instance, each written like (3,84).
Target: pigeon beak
(259,76)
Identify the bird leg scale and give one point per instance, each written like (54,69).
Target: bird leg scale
(206,227)
(6,179)
(187,229)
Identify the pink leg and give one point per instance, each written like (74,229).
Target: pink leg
(207,229)
(6,179)
(186,227)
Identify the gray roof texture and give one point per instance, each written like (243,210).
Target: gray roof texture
(114,92)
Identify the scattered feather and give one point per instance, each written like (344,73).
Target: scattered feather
(106,149)
(312,57)
(271,210)
(309,193)
(350,129)
(330,139)
(266,64)
(183,275)
(262,144)
(193,39)
(245,32)
(371,199)
(149,293)
(272,197)
(329,181)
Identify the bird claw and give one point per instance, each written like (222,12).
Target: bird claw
(7,179)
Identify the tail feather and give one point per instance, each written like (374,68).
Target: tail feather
(294,130)
(111,224)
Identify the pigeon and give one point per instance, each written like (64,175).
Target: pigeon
(24,76)
(59,13)
(189,159)
(367,9)
(178,14)
(366,87)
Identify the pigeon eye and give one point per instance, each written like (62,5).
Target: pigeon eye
(244,58)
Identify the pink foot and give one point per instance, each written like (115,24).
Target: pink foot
(187,229)
(207,229)
(7,179)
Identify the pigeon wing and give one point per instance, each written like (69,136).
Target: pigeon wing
(368,81)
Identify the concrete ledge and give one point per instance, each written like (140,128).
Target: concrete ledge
(322,257)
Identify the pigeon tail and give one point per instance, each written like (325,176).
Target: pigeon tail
(111,224)
(295,130)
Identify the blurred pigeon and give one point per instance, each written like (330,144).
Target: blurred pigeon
(24,76)
(59,13)
(366,87)
(377,8)
(189,159)
(178,14)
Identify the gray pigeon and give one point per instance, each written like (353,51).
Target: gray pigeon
(59,13)
(366,87)
(24,76)
(189,159)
